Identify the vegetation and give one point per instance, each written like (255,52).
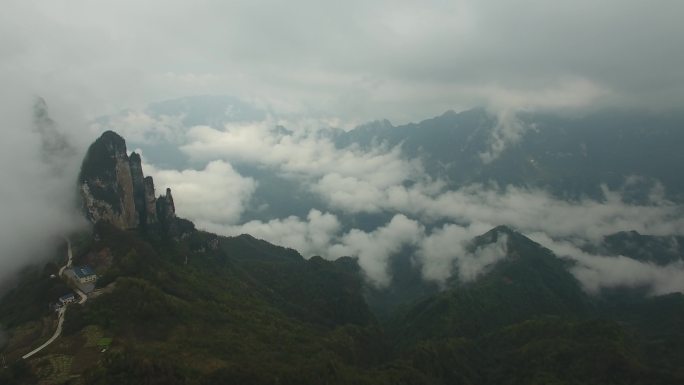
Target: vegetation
(194,308)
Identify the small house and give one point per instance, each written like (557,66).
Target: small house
(67,298)
(85,274)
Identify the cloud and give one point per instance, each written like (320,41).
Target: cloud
(441,251)
(141,127)
(447,247)
(472,264)
(321,233)
(508,131)
(387,59)
(39,167)
(530,210)
(298,150)
(215,194)
(597,272)
(350,178)
(399,60)
(312,236)
(380,180)
(373,249)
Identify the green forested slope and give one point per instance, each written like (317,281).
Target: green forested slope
(242,311)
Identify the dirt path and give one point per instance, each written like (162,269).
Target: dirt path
(62,311)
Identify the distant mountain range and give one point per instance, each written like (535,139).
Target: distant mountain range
(570,156)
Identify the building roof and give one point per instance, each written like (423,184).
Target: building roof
(67,296)
(83,271)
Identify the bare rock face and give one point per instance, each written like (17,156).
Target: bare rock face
(166,209)
(114,188)
(150,200)
(106,184)
(138,187)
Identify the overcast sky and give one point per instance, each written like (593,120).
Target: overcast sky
(357,60)
(347,63)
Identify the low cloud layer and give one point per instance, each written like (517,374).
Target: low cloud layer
(427,217)
(448,245)
(311,236)
(346,177)
(442,251)
(380,181)
(373,249)
(39,165)
(597,272)
(215,194)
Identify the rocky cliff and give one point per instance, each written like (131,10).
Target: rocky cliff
(138,187)
(113,187)
(150,200)
(166,209)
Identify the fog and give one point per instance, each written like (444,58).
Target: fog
(357,61)
(39,164)
(352,181)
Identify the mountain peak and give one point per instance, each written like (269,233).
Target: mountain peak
(493,236)
(113,187)
(113,141)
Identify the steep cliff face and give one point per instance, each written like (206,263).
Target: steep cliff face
(150,200)
(166,209)
(112,185)
(138,187)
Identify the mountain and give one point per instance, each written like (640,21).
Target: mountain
(527,283)
(661,250)
(113,188)
(176,305)
(527,320)
(571,156)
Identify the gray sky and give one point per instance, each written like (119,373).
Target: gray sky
(357,60)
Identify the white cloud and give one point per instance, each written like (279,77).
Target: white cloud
(533,210)
(446,246)
(321,234)
(310,237)
(355,180)
(216,194)
(399,60)
(508,131)
(387,59)
(303,151)
(597,272)
(375,248)
(37,198)
(141,127)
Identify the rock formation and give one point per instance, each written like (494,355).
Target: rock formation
(166,210)
(138,187)
(150,200)
(113,188)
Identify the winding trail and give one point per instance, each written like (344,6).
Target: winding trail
(62,311)
(58,332)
